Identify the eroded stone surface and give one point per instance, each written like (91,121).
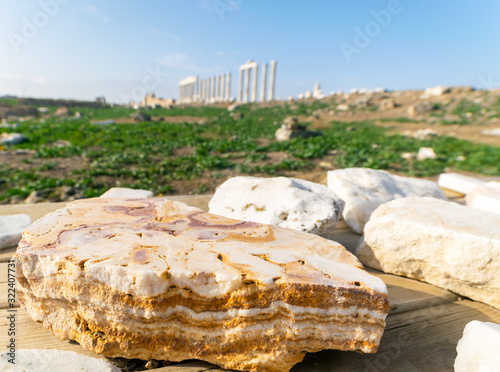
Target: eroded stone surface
(157,279)
(34,360)
(485,197)
(478,348)
(123,192)
(443,243)
(11,229)
(364,189)
(286,202)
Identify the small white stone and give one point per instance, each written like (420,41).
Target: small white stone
(442,243)
(123,192)
(485,197)
(437,91)
(34,360)
(478,349)
(11,229)
(426,153)
(458,183)
(364,189)
(342,107)
(286,202)
(11,138)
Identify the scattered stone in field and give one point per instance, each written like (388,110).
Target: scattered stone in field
(103,122)
(460,158)
(421,134)
(53,360)
(326,165)
(492,132)
(485,197)
(308,94)
(43,110)
(140,117)
(12,138)
(291,128)
(364,189)
(78,115)
(236,115)
(61,143)
(458,183)
(387,104)
(442,243)
(62,112)
(37,196)
(419,109)
(409,156)
(478,348)
(437,91)
(23,151)
(186,284)
(426,153)
(452,118)
(233,107)
(342,107)
(11,229)
(286,202)
(123,192)
(462,89)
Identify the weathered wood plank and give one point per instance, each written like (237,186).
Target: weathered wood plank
(422,340)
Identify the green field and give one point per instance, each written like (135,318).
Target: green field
(159,155)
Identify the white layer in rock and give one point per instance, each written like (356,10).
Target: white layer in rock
(286,202)
(364,189)
(458,182)
(485,197)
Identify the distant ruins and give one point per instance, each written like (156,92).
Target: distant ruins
(150,100)
(244,84)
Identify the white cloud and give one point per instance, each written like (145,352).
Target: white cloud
(166,34)
(19,78)
(92,10)
(181,61)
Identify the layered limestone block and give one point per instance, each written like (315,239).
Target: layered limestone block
(442,243)
(364,189)
(157,279)
(478,348)
(34,360)
(485,197)
(287,202)
(11,229)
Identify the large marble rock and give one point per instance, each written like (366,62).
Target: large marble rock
(485,197)
(286,202)
(34,360)
(157,279)
(443,243)
(123,192)
(458,182)
(11,229)
(478,348)
(364,189)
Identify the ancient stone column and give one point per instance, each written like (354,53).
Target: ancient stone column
(240,87)
(255,77)
(264,83)
(213,89)
(228,88)
(247,86)
(217,96)
(270,96)
(223,87)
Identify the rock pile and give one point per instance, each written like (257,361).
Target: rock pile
(291,128)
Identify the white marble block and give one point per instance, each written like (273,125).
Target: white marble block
(34,360)
(458,183)
(479,348)
(11,229)
(285,202)
(364,189)
(442,243)
(485,197)
(123,192)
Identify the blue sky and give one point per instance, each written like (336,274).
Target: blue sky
(83,49)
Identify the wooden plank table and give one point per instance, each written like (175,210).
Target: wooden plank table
(423,326)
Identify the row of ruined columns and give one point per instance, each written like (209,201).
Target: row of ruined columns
(209,90)
(244,82)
